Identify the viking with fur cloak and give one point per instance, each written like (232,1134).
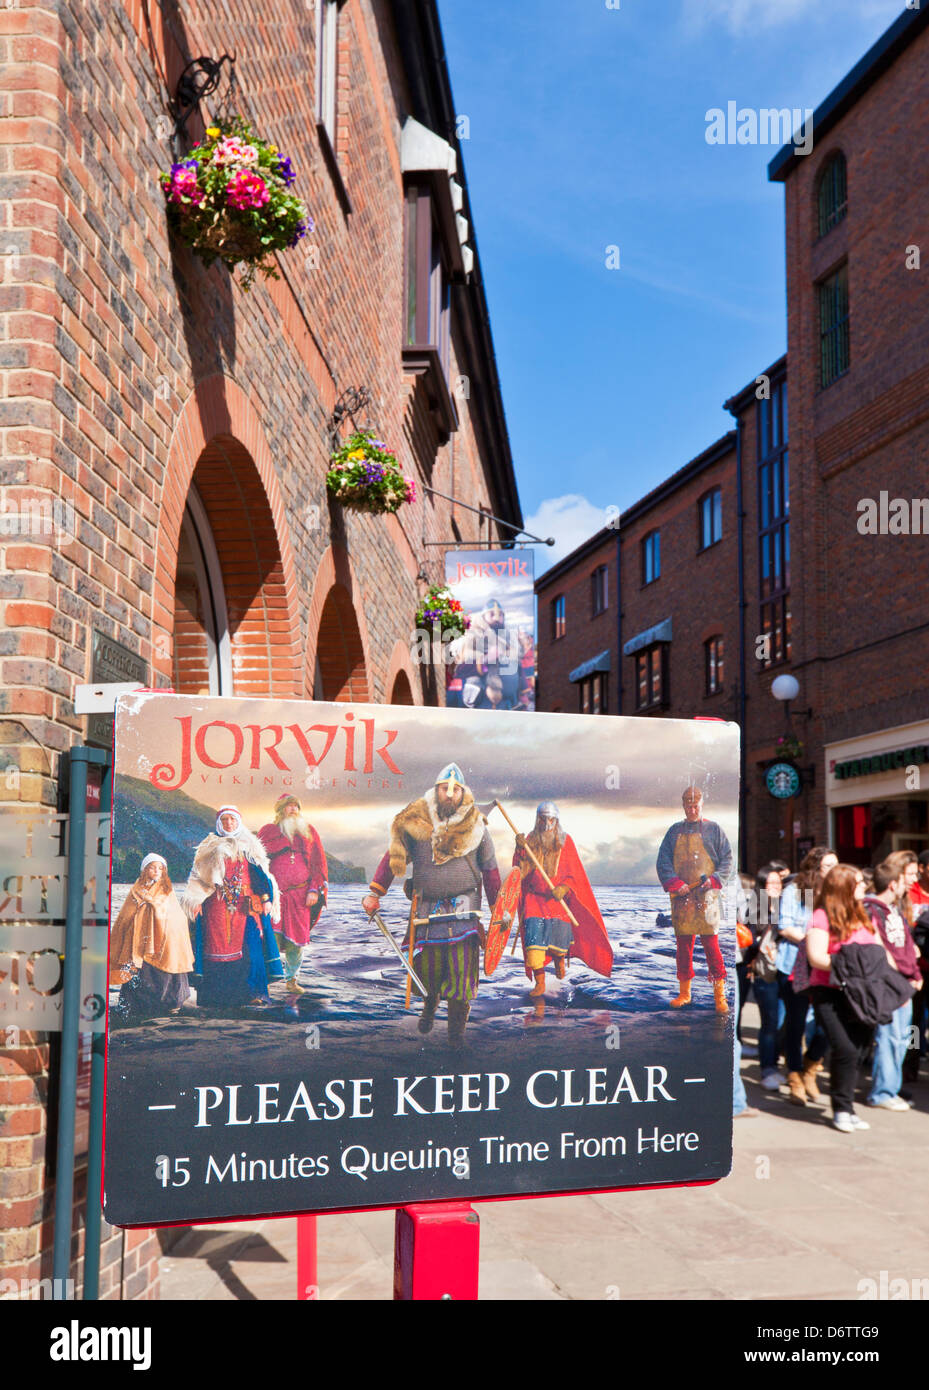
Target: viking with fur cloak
(444,838)
(150,955)
(298,866)
(231,900)
(546,931)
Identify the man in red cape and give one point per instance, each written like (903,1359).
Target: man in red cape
(298,863)
(547,931)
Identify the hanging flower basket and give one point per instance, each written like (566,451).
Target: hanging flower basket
(230,200)
(789,747)
(438,609)
(366,477)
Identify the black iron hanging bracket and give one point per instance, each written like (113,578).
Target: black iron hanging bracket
(351,403)
(200,79)
(519,531)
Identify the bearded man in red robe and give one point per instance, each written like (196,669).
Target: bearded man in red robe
(547,932)
(298,864)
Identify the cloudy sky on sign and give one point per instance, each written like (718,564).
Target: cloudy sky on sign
(618,782)
(584,128)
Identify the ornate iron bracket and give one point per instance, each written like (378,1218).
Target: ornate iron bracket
(352,401)
(199,79)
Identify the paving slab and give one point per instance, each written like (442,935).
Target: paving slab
(806,1213)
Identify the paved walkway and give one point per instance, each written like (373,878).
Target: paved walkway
(806,1213)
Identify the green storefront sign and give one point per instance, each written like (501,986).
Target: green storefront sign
(882,762)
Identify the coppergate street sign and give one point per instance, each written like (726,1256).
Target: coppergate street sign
(312,1007)
(111,662)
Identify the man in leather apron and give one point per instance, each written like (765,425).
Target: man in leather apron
(694,861)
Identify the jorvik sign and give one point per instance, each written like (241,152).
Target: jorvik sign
(365,955)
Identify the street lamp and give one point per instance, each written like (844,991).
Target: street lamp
(785,688)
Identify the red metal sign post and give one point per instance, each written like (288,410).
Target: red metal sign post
(307,1277)
(436,1248)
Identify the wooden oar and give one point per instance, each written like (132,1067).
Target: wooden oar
(538,866)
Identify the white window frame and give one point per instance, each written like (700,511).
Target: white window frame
(210,581)
(327,66)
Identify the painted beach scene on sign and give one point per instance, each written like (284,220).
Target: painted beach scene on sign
(371,925)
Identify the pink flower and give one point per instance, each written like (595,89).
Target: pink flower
(246,190)
(410,490)
(234,150)
(184,183)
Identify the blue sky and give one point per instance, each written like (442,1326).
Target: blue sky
(587,130)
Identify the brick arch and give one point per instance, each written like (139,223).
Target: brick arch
(218,438)
(337,631)
(400,680)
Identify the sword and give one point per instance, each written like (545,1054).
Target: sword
(382,926)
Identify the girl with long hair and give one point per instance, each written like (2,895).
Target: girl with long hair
(796,909)
(839,919)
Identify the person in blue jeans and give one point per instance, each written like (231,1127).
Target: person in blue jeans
(795,911)
(764,972)
(891,1040)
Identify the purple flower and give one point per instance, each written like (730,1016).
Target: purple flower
(301,230)
(284,169)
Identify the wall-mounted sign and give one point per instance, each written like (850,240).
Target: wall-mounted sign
(782,780)
(871,763)
(285,1038)
(111,662)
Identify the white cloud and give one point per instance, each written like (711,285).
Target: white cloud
(740,16)
(571,519)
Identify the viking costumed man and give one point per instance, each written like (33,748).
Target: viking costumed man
(445,838)
(231,899)
(150,954)
(547,931)
(694,862)
(298,865)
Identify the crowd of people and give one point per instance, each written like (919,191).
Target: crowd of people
(836,958)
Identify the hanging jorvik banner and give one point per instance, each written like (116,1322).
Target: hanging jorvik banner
(367,955)
(492,666)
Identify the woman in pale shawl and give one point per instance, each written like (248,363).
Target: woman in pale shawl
(150,951)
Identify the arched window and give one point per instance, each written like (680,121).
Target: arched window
(202,652)
(833,193)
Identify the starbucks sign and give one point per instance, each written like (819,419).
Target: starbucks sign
(782,780)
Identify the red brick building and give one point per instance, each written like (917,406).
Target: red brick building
(182,428)
(816,573)
(857,216)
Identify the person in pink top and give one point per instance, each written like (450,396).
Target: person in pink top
(839,919)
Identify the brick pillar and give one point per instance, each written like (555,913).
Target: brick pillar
(24,1203)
